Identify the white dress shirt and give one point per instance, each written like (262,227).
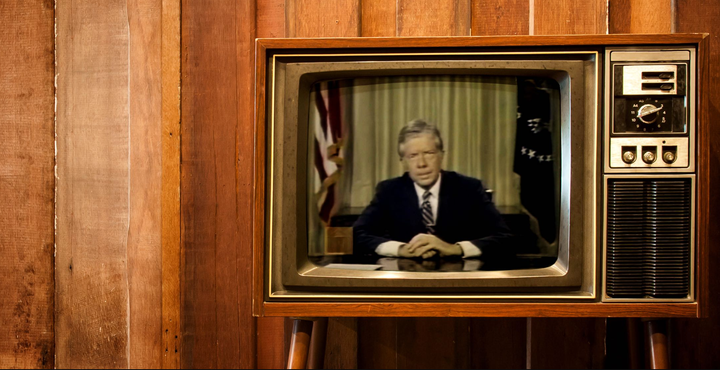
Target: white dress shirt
(390,248)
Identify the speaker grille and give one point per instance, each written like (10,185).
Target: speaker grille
(648,238)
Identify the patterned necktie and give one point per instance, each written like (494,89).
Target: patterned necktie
(427,213)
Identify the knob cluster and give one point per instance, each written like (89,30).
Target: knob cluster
(648,155)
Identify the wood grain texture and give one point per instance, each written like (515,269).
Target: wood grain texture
(489,337)
(489,41)
(170,202)
(433,343)
(434,18)
(27,184)
(379,18)
(319,309)
(93,187)
(243,158)
(377,343)
(273,333)
(503,17)
(641,16)
(271,351)
(567,343)
(216,184)
(341,350)
(271,18)
(693,343)
(567,17)
(322,18)
(209,117)
(144,249)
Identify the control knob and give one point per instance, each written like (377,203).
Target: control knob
(669,157)
(628,157)
(648,157)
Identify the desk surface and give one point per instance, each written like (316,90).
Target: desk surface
(524,261)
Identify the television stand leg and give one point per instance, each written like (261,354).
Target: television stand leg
(656,343)
(307,345)
(316,357)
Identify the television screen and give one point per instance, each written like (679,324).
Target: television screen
(454,171)
(498,135)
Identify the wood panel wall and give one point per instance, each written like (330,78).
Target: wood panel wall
(115,104)
(27,184)
(154,185)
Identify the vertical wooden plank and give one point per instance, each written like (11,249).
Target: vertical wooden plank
(377,343)
(216,184)
(170,202)
(271,351)
(321,18)
(433,343)
(244,161)
(641,16)
(500,17)
(378,18)
(434,18)
(271,19)
(144,251)
(693,342)
(567,343)
(618,345)
(273,333)
(27,184)
(208,197)
(341,351)
(491,336)
(93,205)
(557,17)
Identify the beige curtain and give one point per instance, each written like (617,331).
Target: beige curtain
(476,116)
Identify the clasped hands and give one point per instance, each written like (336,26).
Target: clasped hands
(427,246)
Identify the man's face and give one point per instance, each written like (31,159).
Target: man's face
(422,159)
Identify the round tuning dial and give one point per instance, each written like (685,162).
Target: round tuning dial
(649,113)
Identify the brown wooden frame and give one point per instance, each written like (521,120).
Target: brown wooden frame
(699,308)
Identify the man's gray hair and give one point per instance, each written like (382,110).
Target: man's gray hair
(417,127)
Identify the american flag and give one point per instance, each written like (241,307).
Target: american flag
(328,147)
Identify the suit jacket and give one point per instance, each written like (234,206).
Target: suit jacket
(465,213)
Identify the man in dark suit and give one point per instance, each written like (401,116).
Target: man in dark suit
(428,211)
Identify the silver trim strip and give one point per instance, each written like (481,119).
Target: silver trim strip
(651,56)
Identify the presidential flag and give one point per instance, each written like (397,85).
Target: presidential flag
(534,159)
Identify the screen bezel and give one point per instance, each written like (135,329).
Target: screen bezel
(572,276)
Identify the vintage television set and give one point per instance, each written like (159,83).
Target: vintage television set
(591,149)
